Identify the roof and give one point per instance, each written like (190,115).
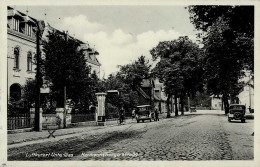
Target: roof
(156,98)
(236,105)
(142,92)
(13,12)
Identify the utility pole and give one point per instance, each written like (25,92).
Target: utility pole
(37,126)
(65,111)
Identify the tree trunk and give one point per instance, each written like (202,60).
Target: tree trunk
(182,106)
(226,105)
(176,105)
(168,106)
(171,105)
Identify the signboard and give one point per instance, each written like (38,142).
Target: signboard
(44,90)
(114,92)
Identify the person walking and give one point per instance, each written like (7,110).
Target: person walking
(156,115)
(133,114)
(121,115)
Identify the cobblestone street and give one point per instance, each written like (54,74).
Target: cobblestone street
(205,135)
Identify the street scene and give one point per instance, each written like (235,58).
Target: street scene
(119,83)
(204,135)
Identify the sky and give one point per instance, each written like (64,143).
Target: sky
(120,34)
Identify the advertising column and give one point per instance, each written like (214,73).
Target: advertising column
(101,97)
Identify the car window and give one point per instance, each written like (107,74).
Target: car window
(237,107)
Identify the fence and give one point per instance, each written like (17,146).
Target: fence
(203,108)
(18,121)
(91,117)
(82,117)
(114,116)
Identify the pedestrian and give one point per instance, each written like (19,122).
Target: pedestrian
(133,114)
(156,115)
(121,115)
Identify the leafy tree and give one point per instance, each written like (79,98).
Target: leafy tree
(126,81)
(228,44)
(222,62)
(240,27)
(179,68)
(134,73)
(203,17)
(65,66)
(29,92)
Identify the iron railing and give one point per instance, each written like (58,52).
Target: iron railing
(18,121)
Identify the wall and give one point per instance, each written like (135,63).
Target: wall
(244,97)
(25,46)
(216,103)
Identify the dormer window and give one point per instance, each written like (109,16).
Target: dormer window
(16,23)
(28,29)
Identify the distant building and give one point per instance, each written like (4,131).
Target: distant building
(246,94)
(159,92)
(216,102)
(91,58)
(21,48)
(151,93)
(90,53)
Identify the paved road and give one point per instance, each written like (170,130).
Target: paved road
(205,135)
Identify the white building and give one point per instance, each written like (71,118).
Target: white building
(21,48)
(216,102)
(246,95)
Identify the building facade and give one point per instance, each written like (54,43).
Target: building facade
(246,95)
(21,49)
(216,102)
(91,58)
(151,93)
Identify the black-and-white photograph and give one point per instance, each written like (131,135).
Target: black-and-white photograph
(130,82)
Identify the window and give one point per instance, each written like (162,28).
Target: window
(15,92)
(29,61)
(16,23)
(16,58)
(28,29)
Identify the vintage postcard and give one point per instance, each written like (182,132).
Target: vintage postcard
(129,83)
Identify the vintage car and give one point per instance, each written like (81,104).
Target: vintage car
(237,112)
(193,109)
(144,112)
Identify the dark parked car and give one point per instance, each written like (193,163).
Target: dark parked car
(193,109)
(237,112)
(144,112)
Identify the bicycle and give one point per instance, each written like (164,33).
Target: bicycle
(122,121)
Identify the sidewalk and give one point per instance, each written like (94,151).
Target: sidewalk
(16,138)
(34,135)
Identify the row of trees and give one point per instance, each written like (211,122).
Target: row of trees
(228,39)
(217,67)
(179,68)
